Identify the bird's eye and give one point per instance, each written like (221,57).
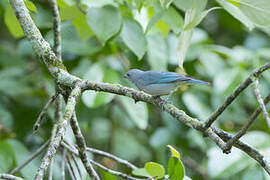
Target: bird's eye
(128,75)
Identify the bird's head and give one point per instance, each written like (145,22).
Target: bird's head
(133,74)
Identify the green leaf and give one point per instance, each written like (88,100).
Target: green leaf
(31,6)
(98,73)
(185,5)
(257,11)
(95,3)
(21,154)
(184,41)
(133,37)
(157,52)
(157,16)
(104,22)
(140,172)
(237,13)
(176,169)
(154,169)
(166,3)
(6,156)
(173,19)
(174,152)
(137,112)
(82,27)
(12,23)
(197,18)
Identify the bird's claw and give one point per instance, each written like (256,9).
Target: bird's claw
(164,102)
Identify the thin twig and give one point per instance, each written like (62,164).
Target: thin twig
(260,101)
(43,113)
(56,28)
(117,159)
(82,147)
(9,177)
(50,176)
(63,163)
(61,130)
(77,165)
(70,168)
(34,155)
(233,96)
(75,151)
(245,128)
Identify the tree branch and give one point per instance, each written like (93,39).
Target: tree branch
(245,148)
(245,128)
(260,101)
(236,92)
(61,130)
(82,147)
(9,177)
(56,29)
(43,112)
(59,73)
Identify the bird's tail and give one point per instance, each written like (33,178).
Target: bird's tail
(196,81)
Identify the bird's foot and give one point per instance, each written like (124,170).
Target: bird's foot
(165,101)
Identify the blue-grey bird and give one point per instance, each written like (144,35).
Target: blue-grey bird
(159,83)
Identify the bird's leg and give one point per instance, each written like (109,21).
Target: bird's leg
(165,101)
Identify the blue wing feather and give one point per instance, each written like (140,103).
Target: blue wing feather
(160,77)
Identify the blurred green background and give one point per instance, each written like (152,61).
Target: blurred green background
(222,51)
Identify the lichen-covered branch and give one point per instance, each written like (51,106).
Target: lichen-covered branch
(61,130)
(245,148)
(73,150)
(236,92)
(245,128)
(80,141)
(56,29)
(9,177)
(62,77)
(34,155)
(260,101)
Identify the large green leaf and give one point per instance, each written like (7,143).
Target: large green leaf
(173,19)
(133,36)
(99,73)
(157,52)
(12,22)
(138,112)
(6,157)
(154,169)
(104,21)
(176,169)
(237,13)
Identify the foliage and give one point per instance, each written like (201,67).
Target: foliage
(113,36)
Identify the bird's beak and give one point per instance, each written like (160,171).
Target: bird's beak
(125,76)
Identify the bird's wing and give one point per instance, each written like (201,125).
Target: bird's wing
(160,77)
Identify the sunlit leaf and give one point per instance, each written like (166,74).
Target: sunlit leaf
(12,23)
(154,169)
(237,13)
(174,152)
(176,169)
